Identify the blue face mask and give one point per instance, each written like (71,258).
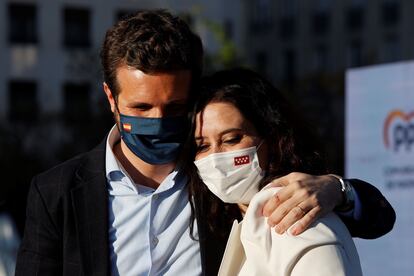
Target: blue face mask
(154,140)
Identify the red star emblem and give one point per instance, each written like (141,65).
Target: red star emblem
(241,160)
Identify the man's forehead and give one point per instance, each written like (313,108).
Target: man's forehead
(165,86)
(142,73)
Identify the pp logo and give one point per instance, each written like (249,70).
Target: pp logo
(399,130)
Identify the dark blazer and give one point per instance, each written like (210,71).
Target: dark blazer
(66,230)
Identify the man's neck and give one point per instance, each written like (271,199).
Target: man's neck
(141,172)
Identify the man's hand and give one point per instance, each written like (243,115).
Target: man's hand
(303,199)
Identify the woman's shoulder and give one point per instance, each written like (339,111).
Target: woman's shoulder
(327,229)
(281,252)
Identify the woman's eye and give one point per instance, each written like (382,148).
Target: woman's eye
(201,148)
(233,140)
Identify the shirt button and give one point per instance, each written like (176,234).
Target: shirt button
(155,196)
(154,241)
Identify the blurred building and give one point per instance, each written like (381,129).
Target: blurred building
(297,39)
(50,48)
(305,46)
(50,74)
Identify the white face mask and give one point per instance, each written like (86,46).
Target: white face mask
(233,176)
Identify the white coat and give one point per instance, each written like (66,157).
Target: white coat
(253,248)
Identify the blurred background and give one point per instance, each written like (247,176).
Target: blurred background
(52,106)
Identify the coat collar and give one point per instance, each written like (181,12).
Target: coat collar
(90,205)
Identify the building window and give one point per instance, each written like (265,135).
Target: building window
(228,28)
(261,15)
(288,8)
(390,12)
(320,23)
(289,66)
(355,15)
(321,18)
(354,55)
(287,27)
(391,50)
(76,101)
(287,19)
(320,59)
(76,28)
(23,104)
(22,23)
(261,62)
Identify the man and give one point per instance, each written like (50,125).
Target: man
(123,208)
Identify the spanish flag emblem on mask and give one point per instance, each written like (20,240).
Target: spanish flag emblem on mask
(127,127)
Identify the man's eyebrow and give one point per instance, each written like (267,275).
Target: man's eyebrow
(178,101)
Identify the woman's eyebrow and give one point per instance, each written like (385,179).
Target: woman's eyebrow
(197,138)
(231,130)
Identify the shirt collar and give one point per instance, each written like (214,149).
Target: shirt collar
(111,163)
(115,171)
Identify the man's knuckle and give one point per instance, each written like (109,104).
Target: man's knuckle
(295,185)
(311,216)
(315,201)
(317,210)
(293,174)
(276,199)
(283,210)
(281,225)
(271,221)
(304,193)
(300,225)
(297,213)
(268,208)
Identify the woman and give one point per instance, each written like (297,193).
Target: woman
(246,135)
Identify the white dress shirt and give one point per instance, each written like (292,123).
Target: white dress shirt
(149,229)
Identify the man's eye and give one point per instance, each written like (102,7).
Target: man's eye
(143,107)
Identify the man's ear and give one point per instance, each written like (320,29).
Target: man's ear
(110,97)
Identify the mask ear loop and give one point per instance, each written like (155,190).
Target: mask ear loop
(119,114)
(116,104)
(260,144)
(265,172)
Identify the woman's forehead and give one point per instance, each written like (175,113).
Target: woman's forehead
(219,116)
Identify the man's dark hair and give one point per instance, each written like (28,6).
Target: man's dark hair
(151,41)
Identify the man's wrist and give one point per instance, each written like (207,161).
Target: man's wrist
(348,197)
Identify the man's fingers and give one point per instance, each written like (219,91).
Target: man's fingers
(271,205)
(307,220)
(276,200)
(282,210)
(284,180)
(293,215)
